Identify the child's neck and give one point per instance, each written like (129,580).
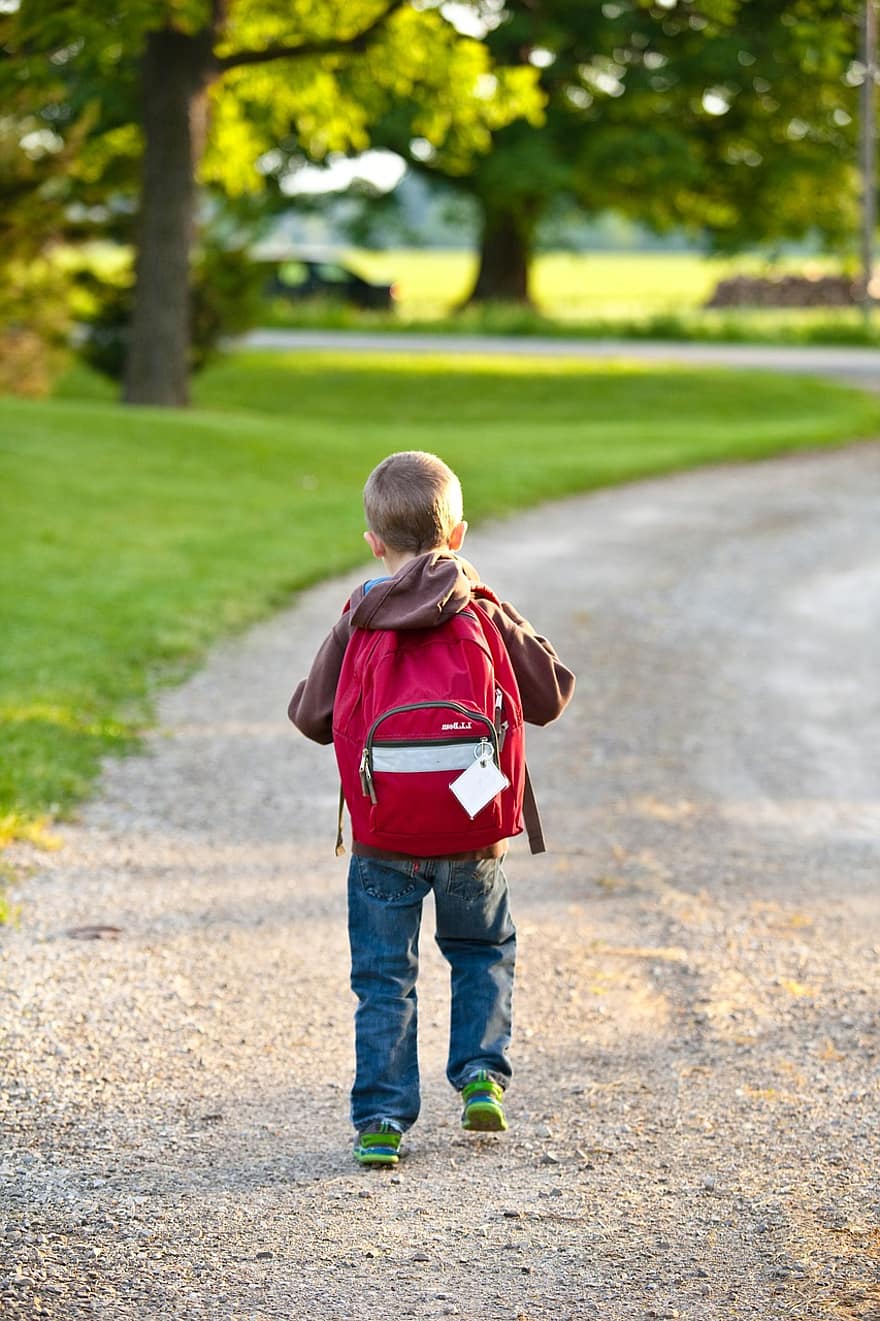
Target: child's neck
(395,560)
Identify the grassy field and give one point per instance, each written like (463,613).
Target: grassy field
(564,283)
(630,295)
(133,538)
(429,282)
(627,294)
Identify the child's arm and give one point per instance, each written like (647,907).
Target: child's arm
(545,684)
(311,707)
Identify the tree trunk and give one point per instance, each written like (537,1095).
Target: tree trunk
(176,73)
(506,245)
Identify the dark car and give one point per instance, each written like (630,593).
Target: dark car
(304,278)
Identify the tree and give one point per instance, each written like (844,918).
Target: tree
(191,90)
(731,117)
(34,321)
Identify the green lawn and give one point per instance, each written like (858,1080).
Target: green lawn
(564,283)
(132,538)
(631,295)
(568,285)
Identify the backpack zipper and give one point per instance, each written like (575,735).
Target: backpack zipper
(502,726)
(366,766)
(421,742)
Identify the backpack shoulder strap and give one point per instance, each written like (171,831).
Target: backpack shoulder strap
(531,814)
(479,590)
(532,818)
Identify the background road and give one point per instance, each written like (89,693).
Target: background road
(851,365)
(694,1109)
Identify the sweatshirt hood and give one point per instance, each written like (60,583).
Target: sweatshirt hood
(424,593)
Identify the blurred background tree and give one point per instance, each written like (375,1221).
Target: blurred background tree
(177,126)
(34,316)
(187,91)
(735,119)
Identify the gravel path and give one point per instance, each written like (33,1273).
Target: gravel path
(694,1111)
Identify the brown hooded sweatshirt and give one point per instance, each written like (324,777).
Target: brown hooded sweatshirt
(425,592)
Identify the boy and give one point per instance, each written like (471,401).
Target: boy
(413,508)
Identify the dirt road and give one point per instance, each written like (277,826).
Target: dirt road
(694,1110)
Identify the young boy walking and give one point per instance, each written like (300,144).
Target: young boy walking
(422,686)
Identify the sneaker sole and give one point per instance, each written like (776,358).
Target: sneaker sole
(483,1118)
(374,1159)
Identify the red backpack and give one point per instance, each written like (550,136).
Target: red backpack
(414,709)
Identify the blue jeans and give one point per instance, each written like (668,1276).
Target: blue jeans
(477,938)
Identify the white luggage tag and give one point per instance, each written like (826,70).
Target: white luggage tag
(480,783)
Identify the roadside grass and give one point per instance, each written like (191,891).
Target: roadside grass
(133,538)
(801,326)
(629,295)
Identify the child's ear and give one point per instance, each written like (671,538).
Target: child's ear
(456,536)
(376,545)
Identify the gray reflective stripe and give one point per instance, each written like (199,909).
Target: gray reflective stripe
(424,756)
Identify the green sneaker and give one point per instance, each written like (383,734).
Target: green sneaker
(483,1111)
(379,1144)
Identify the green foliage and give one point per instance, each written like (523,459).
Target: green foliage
(735,118)
(34,160)
(80,57)
(34,325)
(225,301)
(264,116)
(514,320)
(257,493)
(71,70)
(106,302)
(280,81)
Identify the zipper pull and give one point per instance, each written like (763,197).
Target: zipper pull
(367,777)
(500,725)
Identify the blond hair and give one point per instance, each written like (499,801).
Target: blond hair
(412,501)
